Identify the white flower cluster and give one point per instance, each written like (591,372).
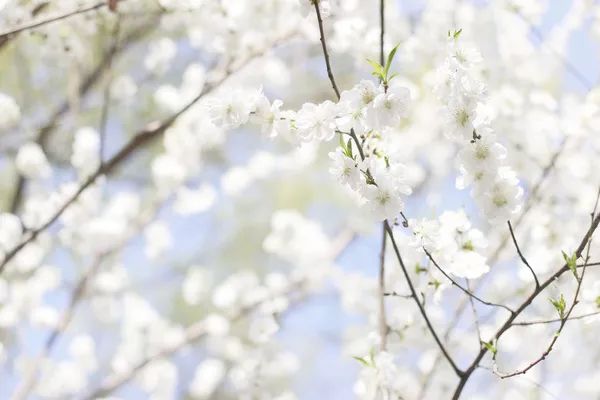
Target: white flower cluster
(453,243)
(370,112)
(240,106)
(481,159)
(31,162)
(367,111)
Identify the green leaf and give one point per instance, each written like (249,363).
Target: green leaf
(342,144)
(419,269)
(560,305)
(389,61)
(571,262)
(598,301)
(490,347)
(454,34)
(395,74)
(362,360)
(377,69)
(349,148)
(435,283)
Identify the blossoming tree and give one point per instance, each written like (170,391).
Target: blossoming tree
(182,179)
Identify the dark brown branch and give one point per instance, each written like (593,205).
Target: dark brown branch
(383,325)
(512,234)
(325,52)
(395,294)
(381,31)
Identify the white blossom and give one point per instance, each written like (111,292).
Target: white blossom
(31,161)
(86,151)
(10,113)
(316,121)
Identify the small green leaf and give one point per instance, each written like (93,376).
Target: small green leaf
(389,61)
(468,246)
(349,149)
(490,347)
(560,305)
(342,144)
(395,74)
(435,283)
(571,262)
(419,269)
(598,301)
(377,69)
(362,360)
(454,34)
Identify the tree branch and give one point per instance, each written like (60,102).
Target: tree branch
(564,319)
(152,131)
(88,83)
(7,35)
(509,322)
(325,52)
(512,234)
(421,308)
(549,321)
(386,224)
(465,290)
(383,325)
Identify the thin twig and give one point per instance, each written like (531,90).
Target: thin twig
(31,25)
(381,31)
(564,318)
(549,321)
(395,294)
(512,234)
(466,291)
(509,322)
(383,325)
(421,308)
(325,52)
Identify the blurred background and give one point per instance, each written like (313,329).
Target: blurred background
(62,74)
